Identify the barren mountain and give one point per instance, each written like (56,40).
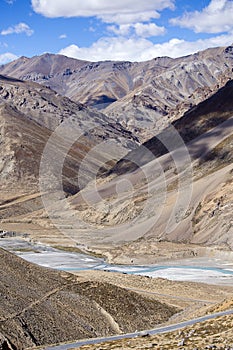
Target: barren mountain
(171,87)
(193,124)
(49,109)
(215,333)
(184,197)
(147,180)
(207,131)
(41,306)
(42,69)
(29,114)
(145,96)
(190,193)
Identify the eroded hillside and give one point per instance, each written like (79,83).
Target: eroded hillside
(144,96)
(40,306)
(175,190)
(30,113)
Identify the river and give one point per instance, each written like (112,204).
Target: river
(199,269)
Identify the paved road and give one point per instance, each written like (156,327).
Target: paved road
(160,330)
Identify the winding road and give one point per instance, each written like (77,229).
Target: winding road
(166,329)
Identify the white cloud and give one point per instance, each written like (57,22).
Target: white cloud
(125,17)
(178,48)
(147,30)
(10,2)
(109,48)
(18,29)
(63,36)
(217,17)
(7,57)
(91,29)
(122,29)
(129,18)
(120,11)
(140,29)
(131,22)
(140,49)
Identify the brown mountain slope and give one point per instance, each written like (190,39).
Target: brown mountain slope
(22,143)
(187,201)
(88,82)
(118,212)
(145,95)
(194,123)
(29,115)
(50,109)
(22,146)
(40,306)
(168,91)
(43,69)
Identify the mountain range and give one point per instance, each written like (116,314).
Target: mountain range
(143,96)
(124,160)
(29,115)
(114,198)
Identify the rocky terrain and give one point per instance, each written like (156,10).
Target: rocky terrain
(143,96)
(129,213)
(195,299)
(29,114)
(72,176)
(118,215)
(193,124)
(40,306)
(215,335)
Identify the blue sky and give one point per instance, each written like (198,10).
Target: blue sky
(95,30)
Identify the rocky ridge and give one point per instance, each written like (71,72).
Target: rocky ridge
(143,96)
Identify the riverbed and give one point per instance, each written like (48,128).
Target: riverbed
(198,269)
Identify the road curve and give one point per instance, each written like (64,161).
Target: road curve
(160,330)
